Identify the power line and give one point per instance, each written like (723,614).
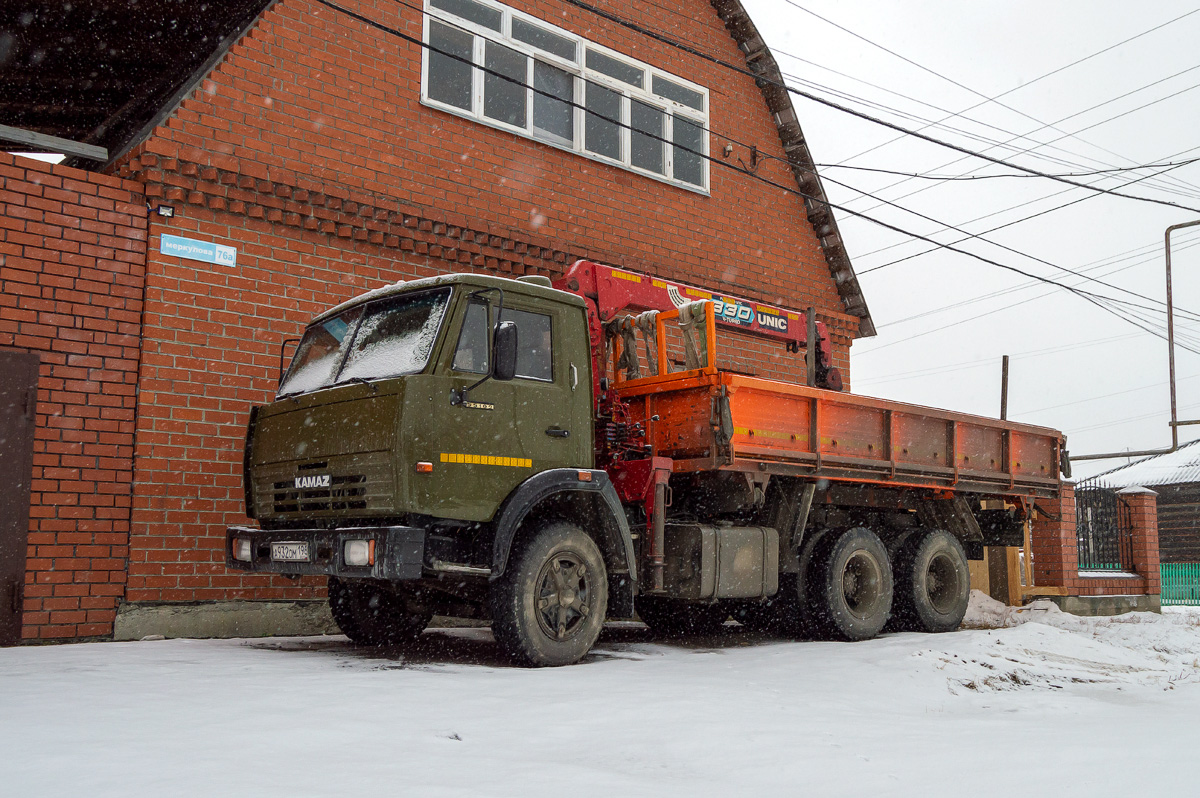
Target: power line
(906,339)
(997,213)
(1001,246)
(952,178)
(1127,419)
(1110,395)
(852,112)
(1008,224)
(1025,286)
(1050,143)
(987,99)
(694,51)
(1006,144)
(1088,296)
(988,361)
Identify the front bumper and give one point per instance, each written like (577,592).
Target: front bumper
(399,551)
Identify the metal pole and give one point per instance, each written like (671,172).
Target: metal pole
(1004,389)
(810,317)
(1175,422)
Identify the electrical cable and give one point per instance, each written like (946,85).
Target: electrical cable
(1040,145)
(1025,286)
(1004,210)
(986,99)
(850,111)
(1088,296)
(1128,419)
(1001,246)
(1110,395)
(952,178)
(1006,224)
(1081,293)
(1171,187)
(988,361)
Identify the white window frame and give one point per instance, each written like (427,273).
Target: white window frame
(580,74)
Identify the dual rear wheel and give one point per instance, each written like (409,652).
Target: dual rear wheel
(852,586)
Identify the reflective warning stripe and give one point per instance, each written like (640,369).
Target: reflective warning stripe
(487,459)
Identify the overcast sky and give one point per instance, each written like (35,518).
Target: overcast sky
(945,319)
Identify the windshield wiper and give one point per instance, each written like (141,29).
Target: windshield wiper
(374,388)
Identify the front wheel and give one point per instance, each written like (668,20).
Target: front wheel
(550,604)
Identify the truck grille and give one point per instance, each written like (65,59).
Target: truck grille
(361,483)
(343,493)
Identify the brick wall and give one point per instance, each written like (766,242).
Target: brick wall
(1056,548)
(308,150)
(314,101)
(72,265)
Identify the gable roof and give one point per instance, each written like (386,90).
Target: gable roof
(761,62)
(101,71)
(106,72)
(1178,467)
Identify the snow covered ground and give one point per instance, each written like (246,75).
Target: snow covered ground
(1032,702)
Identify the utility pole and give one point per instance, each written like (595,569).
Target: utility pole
(1004,389)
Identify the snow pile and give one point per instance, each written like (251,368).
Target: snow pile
(1040,647)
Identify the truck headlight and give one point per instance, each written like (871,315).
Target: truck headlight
(241,550)
(359,552)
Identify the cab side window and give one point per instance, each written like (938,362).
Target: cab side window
(534,346)
(472,352)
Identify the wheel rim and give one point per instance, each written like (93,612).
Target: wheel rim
(942,583)
(862,583)
(564,596)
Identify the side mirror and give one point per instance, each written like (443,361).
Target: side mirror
(504,351)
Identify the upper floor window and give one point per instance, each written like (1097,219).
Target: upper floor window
(503,68)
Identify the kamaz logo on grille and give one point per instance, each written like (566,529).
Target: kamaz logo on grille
(313,481)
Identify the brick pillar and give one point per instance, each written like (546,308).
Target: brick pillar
(1053,541)
(1143,517)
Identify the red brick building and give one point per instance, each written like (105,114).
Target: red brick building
(334,148)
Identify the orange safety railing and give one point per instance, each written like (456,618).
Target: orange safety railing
(663,364)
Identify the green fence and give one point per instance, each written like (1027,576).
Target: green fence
(1180,583)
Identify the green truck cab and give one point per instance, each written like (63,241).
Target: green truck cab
(423,433)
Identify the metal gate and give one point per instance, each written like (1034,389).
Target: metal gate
(18,411)
(1104,529)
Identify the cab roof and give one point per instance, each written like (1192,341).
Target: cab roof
(470,280)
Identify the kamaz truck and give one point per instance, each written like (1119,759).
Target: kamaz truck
(548,456)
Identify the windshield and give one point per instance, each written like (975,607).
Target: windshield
(387,338)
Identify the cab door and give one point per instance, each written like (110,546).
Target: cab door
(505,432)
(548,390)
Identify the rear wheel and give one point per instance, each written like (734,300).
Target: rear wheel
(372,615)
(550,604)
(849,585)
(673,618)
(933,582)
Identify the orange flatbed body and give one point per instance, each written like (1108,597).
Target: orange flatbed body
(779,428)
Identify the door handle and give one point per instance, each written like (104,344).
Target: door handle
(558,432)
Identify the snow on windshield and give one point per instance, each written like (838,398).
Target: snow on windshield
(319,354)
(396,337)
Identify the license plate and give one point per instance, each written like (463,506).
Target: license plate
(289,552)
